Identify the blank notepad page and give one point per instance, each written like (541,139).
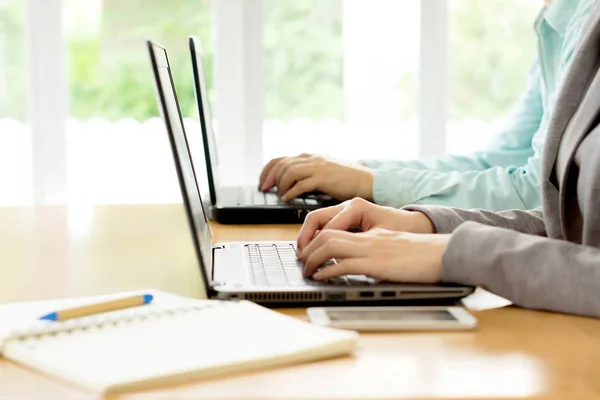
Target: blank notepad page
(153,345)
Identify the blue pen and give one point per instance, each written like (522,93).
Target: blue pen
(112,305)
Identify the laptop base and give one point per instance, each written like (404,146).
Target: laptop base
(256,215)
(390,293)
(442,301)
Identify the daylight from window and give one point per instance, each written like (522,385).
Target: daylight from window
(337,74)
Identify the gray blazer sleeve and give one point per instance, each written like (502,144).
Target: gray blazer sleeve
(531,271)
(446,219)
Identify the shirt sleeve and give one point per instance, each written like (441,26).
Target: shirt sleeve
(496,188)
(504,176)
(473,161)
(447,219)
(508,254)
(531,271)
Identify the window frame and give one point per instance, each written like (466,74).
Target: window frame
(48,93)
(433,78)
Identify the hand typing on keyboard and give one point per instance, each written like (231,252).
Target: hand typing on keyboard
(379,253)
(360,215)
(294,176)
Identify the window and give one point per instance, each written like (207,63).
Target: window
(13,47)
(117,147)
(336,71)
(492,47)
(15,156)
(335,77)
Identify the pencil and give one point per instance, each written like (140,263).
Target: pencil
(97,308)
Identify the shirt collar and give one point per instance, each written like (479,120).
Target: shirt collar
(559,13)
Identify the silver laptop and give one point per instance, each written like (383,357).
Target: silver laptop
(264,272)
(239,204)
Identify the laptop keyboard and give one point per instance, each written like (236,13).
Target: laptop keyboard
(252,196)
(276,265)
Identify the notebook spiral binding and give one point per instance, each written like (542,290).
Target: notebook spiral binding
(97,321)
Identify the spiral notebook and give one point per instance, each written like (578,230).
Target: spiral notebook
(155,345)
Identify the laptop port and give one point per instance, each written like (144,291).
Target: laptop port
(388,294)
(336,296)
(367,294)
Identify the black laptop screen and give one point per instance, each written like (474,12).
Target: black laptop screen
(205,118)
(181,155)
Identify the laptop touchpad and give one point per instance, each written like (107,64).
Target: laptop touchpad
(231,265)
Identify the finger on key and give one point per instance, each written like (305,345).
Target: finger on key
(290,172)
(271,176)
(335,246)
(266,170)
(299,188)
(314,221)
(349,266)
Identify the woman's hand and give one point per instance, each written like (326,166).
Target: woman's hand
(378,253)
(305,173)
(364,216)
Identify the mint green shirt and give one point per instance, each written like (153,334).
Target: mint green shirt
(506,174)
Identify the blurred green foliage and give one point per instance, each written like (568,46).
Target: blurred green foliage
(492,47)
(303,59)
(111,78)
(13,53)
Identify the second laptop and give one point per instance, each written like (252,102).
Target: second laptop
(238,204)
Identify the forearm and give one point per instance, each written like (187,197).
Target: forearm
(532,272)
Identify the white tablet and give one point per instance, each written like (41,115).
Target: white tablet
(393,318)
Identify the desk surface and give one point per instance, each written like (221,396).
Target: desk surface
(58,252)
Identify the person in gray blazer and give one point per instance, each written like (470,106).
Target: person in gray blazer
(547,258)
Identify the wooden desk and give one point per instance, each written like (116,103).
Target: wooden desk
(58,251)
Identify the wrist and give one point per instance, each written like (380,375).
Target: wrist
(439,244)
(366,184)
(421,223)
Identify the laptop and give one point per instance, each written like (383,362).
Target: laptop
(263,272)
(239,205)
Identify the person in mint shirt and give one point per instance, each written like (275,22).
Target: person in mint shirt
(503,176)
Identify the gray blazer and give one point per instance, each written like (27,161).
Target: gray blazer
(547,258)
